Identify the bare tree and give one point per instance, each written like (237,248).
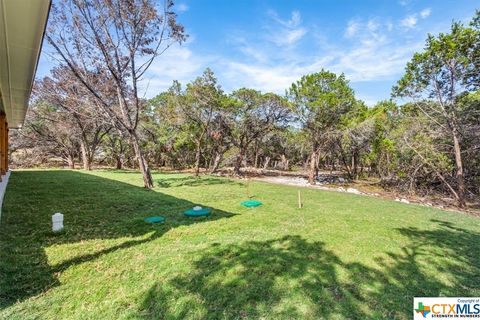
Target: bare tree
(48,131)
(120,38)
(65,92)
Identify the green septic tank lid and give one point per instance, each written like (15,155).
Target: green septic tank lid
(155,219)
(197,213)
(251,203)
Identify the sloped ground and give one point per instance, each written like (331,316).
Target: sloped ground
(337,181)
(340,256)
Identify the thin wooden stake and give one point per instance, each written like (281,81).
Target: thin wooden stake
(299,200)
(247,185)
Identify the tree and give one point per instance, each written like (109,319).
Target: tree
(469,105)
(118,38)
(219,137)
(321,100)
(202,101)
(354,138)
(442,73)
(254,114)
(115,148)
(420,159)
(48,130)
(69,95)
(382,153)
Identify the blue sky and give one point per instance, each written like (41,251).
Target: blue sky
(267,44)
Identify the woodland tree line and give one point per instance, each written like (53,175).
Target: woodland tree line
(89,109)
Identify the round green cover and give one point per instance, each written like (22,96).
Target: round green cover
(197,213)
(251,203)
(155,219)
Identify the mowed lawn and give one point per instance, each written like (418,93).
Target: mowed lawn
(341,256)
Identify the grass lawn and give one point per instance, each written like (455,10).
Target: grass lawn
(341,256)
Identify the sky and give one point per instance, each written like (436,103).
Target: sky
(269,44)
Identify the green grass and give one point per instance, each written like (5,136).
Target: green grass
(341,256)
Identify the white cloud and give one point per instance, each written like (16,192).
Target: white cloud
(372,25)
(425,12)
(365,29)
(293,22)
(177,63)
(352,28)
(182,7)
(261,77)
(375,53)
(372,52)
(286,32)
(290,37)
(389,26)
(372,60)
(372,55)
(250,50)
(378,59)
(267,78)
(409,22)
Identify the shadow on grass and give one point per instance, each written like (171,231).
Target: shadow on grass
(94,208)
(287,277)
(292,278)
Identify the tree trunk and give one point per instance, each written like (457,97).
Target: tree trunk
(267,161)
(216,161)
(284,162)
(158,160)
(198,154)
(238,162)
(355,165)
(142,164)
(349,172)
(119,164)
(71,161)
(85,156)
(313,165)
(459,165)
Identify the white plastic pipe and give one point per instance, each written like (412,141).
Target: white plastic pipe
(57,222)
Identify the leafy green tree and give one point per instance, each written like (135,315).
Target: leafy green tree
(469,105)
(253,115)
(354,138)
(168,130)
(193,110)
(441,73)
(321,100)
(203,100)
(382,155)
(220,137)
(421,160)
